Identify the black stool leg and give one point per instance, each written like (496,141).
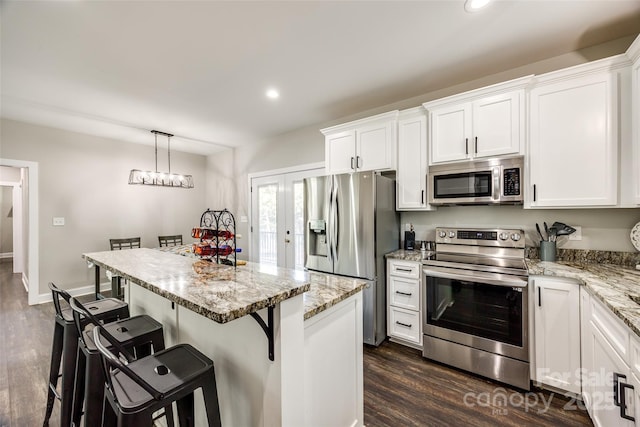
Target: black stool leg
(94,386)
(54,370)
(168,415)
(210,392)
(186,411)
(78,388)
(68,374)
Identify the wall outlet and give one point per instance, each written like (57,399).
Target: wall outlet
(58,221)
(577,235)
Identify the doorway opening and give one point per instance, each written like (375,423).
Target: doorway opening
(24,221)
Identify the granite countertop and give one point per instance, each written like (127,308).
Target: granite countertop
(220,292)
(407,255)
(610,283)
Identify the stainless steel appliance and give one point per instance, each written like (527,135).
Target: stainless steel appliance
(478,182)
(351,223)
(476,303)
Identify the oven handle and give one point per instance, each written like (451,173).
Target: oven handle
(475,276)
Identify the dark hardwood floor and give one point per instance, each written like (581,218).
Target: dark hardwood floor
(400,387)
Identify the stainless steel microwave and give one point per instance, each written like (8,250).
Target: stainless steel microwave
(477,182)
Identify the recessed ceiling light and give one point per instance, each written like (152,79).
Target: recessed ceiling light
(273,94)
(475,5)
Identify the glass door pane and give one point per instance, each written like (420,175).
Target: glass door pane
(267,224)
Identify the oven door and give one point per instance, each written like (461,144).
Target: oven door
(487,311)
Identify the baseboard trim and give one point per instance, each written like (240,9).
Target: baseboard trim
(6,255)
(76,292)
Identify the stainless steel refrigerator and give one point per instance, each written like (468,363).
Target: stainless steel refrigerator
(351,223)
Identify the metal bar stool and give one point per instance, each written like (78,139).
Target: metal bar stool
(140,334)
(65,346)
(116,245)
(135,389)
(174,240)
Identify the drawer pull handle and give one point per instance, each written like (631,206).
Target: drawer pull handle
(623,401)
(404,324)
(616,387)
(408,270)
(404,293)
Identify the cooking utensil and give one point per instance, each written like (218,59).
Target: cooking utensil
(539,232)
(553,233)
(563,229)
(546,229)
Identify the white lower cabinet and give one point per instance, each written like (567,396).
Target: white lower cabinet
(557,333)
(404,293)
(608,383)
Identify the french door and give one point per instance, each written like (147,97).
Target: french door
(277,218)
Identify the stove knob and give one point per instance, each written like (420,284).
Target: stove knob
(452,234)
(515,237)
(504,236)
(442,234)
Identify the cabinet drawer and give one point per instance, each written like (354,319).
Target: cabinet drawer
(612,329)
(404,292)
(405,269)
(404,324)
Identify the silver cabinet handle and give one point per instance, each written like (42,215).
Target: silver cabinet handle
(352,163)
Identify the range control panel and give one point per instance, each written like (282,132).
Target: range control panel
(502,237)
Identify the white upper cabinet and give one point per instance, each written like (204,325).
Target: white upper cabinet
(411,175)
(341,151)
(634,55)
(573,136)
(362,145)
(486,122)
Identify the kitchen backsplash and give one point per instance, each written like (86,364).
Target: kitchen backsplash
(603,230)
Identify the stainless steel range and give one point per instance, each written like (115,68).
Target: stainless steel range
(476,303)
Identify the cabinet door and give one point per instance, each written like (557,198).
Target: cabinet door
(635,123)
(605,413)
(496,125)
(375,148)
(340,152)
(573,143)
(557,333)
(450,133)
(411,176)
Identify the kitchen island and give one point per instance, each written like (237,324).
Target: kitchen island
(310,324)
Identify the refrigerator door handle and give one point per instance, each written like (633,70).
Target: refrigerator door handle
(334,219)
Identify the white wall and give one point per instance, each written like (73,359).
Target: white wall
(603,229)
(84,179)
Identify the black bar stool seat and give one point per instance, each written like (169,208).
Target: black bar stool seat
(136,390)
(65,346)
(140,334)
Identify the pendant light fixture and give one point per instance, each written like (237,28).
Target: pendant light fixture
(161,179)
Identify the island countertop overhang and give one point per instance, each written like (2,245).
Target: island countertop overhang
(222,293)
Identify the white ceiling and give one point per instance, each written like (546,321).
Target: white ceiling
(200,69)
